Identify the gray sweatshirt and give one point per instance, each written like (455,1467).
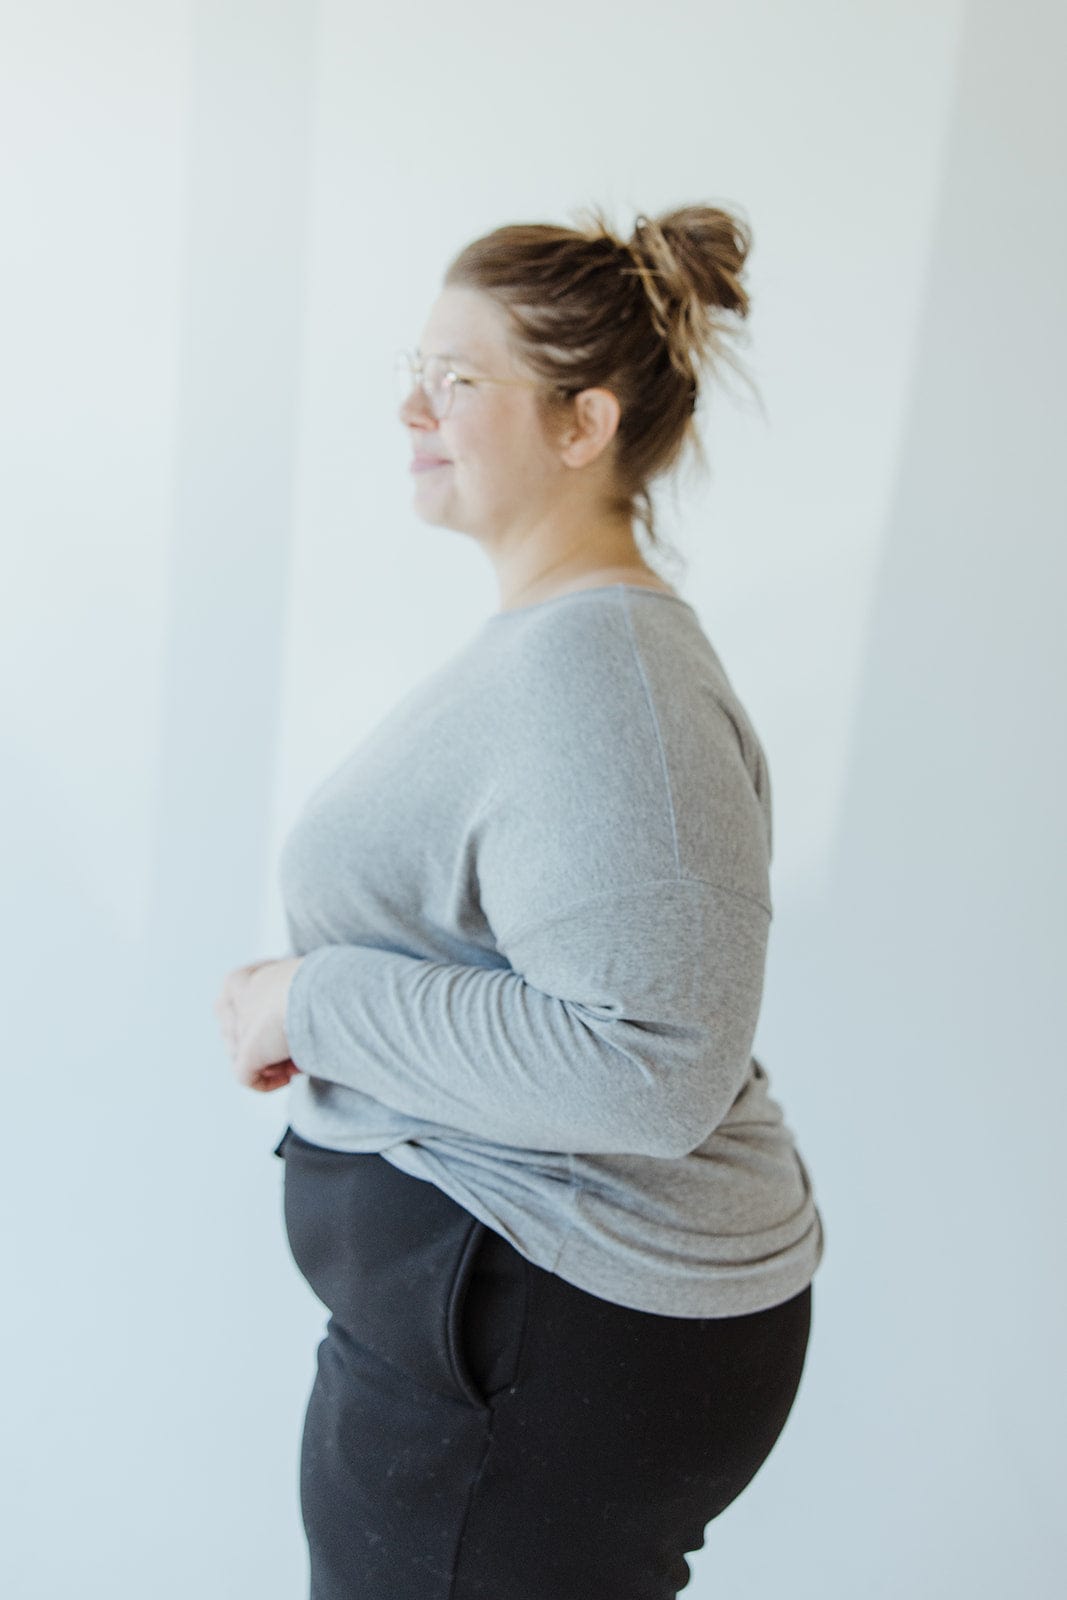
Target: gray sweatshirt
(534,907)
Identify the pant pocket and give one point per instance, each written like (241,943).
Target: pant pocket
(486,1313)
(391,1256)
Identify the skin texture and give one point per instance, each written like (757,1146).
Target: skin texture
(534,502)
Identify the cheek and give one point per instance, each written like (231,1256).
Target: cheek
(485,455)
(496,454)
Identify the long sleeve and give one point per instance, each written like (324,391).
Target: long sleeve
(533,906)
(623,1022)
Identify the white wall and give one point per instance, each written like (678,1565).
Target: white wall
(219,221)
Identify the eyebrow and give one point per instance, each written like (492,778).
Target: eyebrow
(450,355)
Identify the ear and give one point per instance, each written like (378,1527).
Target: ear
(592,425)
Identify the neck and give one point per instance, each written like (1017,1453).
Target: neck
(535,573)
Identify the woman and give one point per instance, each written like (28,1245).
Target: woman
(531,1167)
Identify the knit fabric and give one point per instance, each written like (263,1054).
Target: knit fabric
(534,907)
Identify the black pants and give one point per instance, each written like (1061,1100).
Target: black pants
(481,1427)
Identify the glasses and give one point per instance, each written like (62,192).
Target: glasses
(439,380)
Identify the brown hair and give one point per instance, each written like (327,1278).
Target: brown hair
(587,309)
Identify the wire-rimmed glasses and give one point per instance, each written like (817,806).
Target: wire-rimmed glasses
(438,378)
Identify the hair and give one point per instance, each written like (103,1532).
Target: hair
(645,317)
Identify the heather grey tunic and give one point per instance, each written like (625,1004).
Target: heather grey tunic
(534,904)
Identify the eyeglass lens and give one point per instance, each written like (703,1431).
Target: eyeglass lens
(434,372)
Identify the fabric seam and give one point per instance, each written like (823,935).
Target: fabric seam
(507,935)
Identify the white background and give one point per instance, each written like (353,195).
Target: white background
(219,221)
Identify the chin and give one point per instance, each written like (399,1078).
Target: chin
(440,519)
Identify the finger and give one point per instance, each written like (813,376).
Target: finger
(264,1086)
(274,1077)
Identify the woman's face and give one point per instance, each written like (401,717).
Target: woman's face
(499,473)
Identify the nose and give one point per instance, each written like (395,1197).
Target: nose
(416,409)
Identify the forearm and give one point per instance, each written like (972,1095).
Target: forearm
(485,1051)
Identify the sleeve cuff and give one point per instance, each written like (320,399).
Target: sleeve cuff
(299,1031)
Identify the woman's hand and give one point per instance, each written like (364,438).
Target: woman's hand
(251,1013)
